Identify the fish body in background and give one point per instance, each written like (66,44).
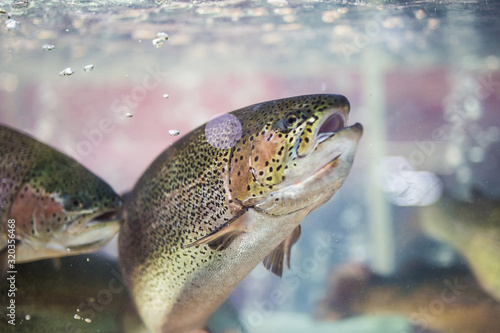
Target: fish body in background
(226,196)
(50,205)
(432,299)
(473,230)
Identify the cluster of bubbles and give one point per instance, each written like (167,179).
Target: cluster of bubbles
(12,24)
(70,71)
(47,47)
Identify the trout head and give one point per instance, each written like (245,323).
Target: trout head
(63,209)
(293,154)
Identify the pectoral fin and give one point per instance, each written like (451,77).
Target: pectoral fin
(275,260)
(221,238)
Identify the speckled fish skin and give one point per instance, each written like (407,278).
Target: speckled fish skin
(59,207)
(201,218)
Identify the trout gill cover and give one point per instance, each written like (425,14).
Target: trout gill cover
(224,198)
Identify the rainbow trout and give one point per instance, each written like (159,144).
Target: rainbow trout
(227,196)
(50,206)
(432,299)
(473,230)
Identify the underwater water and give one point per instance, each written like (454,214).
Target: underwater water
(409,243)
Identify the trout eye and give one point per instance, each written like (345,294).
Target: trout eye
(288,122)
(74,204)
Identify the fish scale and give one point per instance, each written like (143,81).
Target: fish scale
(204,214)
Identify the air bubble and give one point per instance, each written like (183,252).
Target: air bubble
(12,24)
(492,63)
(476,154)
(66,72)
(463,174)
(88,68)
(129,115)
(473,107)
(160,39)
(47,47)
(420,14)
(173,132)
(165,96)
(493,134)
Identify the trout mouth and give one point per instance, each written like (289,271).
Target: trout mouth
(93,232)
(96,220)
(107,216)
(330,125)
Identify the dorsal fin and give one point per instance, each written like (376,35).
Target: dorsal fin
(275,260)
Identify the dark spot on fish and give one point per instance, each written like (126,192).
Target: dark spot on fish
(256,158)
